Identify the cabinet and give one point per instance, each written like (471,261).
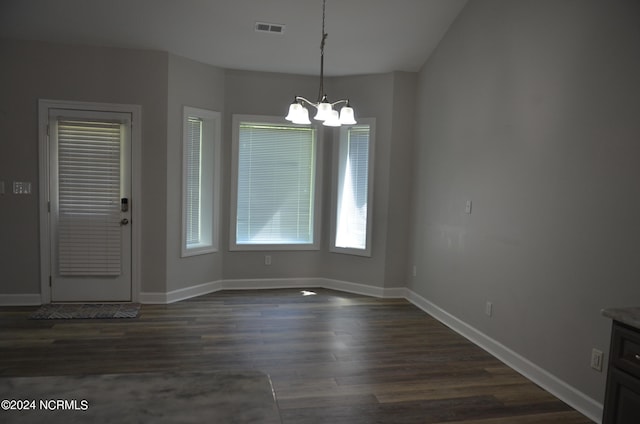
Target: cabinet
(622,398)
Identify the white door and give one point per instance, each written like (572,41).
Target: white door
(90,205)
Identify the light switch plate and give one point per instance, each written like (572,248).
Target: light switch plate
(21,187)
(467,207)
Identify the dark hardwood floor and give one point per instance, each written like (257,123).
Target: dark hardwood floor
(333,357)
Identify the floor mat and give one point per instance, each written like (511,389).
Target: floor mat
(87,311)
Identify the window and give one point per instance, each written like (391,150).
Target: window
(275,195)
(200,176)
(351,223)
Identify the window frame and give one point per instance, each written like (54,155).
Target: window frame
(210,183)
(337,165)
(237,119)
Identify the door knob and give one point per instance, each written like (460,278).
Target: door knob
(124,221)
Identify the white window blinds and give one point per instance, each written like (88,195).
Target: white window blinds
(275,193)
(353,189)
(193,183)
(89,235)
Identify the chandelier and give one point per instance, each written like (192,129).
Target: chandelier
(299,114)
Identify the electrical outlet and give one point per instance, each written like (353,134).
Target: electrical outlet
(596,359)
(488,309)
(267,260)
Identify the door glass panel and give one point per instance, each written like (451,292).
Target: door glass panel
(89,234)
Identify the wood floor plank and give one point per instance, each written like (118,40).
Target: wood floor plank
(564,417)
(333,357)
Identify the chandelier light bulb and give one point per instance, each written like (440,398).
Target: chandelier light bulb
(294,110)
(324,110)
(346,115)
(302,116)
(298,114)
(333,120)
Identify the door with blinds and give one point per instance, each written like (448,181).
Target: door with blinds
(90,206)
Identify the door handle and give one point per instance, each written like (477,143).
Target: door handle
(124,221)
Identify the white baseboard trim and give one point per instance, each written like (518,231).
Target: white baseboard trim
(269,283)
(180,294)
(354,288)
(305,283)
(563,391)
(20,299)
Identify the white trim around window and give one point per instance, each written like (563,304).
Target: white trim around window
(275,185)
(200,180)
(352,191)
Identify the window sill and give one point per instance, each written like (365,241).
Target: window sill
(271,247)
(349,251)
(198,250)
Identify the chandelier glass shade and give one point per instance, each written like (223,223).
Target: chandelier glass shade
(325,112)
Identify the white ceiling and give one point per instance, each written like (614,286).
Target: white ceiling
(365,36)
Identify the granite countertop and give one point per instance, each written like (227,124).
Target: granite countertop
(629,316)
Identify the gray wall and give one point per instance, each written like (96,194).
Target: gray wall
(35,70)
(197,85)
(400,178)
(530,109)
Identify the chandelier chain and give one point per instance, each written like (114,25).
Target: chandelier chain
(324,37)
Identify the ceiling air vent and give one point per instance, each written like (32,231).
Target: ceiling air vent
(270,28)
